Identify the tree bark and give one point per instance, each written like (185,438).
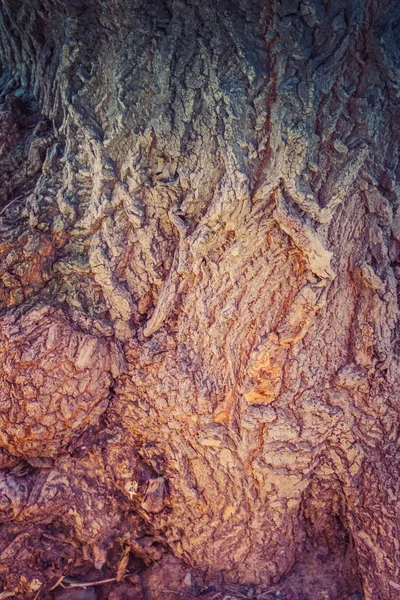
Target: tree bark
(200,235)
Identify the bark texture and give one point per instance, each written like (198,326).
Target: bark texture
(199,260)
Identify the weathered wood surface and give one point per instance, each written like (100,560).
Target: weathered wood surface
(199,260)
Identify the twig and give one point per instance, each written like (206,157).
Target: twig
(185,595)
(57,584)
(9,204)
(85,584)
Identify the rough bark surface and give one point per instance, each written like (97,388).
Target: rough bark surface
(199,261)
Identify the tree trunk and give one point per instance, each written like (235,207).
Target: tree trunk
(199,252)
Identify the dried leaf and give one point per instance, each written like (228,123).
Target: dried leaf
(122,565)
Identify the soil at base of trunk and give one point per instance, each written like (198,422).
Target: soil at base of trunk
(319,574)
